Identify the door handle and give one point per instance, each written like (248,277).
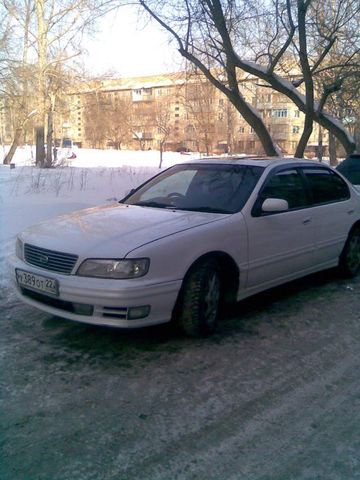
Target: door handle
(306,221)
(350,212)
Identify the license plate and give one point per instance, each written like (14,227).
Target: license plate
(37,282)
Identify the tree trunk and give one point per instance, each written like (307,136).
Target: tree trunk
(42,46)
(49,140)
(320,145)
(332,150)
(161,153)
(40,148)
(11,152)
(308,127)
(309,85)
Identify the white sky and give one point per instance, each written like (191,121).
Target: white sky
(130,47)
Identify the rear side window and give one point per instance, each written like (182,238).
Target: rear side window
(326,186)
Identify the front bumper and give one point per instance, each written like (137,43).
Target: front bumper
(105,301)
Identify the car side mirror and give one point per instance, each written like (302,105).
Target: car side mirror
(271,205)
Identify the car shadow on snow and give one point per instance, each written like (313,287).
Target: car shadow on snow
(274,307)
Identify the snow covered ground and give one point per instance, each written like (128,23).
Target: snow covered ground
(274,394)
(29,194)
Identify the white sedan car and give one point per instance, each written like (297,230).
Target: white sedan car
(196,235)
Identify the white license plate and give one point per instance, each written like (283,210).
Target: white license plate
(37,282)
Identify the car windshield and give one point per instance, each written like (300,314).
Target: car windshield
(216,188)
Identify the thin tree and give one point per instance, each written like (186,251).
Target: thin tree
(51,31)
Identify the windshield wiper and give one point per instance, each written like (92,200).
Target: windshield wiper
(206,209)
(151,204)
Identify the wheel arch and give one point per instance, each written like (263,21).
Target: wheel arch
(228,270)
(355,225)
(344,266)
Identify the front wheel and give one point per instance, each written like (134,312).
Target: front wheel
(350,257)
(200,300)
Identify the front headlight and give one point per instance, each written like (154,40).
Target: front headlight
(127,268)
(19,249)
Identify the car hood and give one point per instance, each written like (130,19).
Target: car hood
(112,230)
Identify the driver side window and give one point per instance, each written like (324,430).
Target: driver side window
(286,185)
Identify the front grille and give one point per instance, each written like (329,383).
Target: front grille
(50,259)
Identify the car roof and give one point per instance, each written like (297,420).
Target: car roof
(252,160)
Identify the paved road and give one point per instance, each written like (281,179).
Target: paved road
(275,395)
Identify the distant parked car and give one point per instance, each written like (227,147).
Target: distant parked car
(183,150)
(350,168)
(196,235)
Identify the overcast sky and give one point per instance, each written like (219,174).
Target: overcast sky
(130,47)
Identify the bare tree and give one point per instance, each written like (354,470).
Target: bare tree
(141,119)
(199,103)
(17,78)
(164,128)
(265,40)
(49,33)
(117,127)
(94,118)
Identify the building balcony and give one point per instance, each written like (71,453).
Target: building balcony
(142,95)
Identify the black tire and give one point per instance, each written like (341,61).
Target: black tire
(199,301)
(349,263)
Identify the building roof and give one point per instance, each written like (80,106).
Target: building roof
(132,83)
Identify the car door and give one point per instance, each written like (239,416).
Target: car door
(333,212)
(281,243)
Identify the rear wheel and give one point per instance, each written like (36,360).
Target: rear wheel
(350,258)
(200,300)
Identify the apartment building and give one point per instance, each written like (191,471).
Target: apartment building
(178,111)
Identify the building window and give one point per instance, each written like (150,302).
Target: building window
(177,115)
(221,102)
(295,129)
(241,129)
(280,113)
(297,113)
(221,116)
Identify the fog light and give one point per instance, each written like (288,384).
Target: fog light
(83,309)
(138,312)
